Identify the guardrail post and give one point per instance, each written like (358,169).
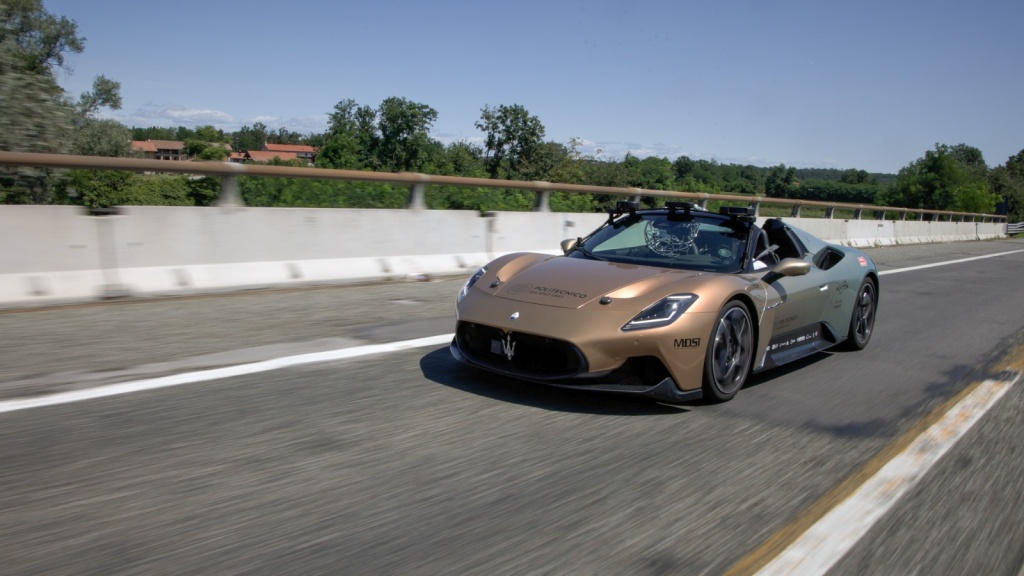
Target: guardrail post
(757,208)
(489,238)
(703,203)
(857,212)
(229,195)
(795,211)
(830,212)
(417,197)
(107,244)
(879,214)
(543,203)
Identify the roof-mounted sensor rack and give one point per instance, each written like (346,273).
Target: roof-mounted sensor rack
(743,213)
(623,207)
(674,207)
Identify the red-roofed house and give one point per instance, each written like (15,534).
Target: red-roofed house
(307,153)
(161,149)
(265,156)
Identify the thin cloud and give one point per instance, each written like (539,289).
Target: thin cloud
(197,116)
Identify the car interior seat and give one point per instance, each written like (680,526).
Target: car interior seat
(780,235)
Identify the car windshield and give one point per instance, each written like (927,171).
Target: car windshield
(701,242)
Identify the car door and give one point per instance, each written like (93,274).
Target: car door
(797,329)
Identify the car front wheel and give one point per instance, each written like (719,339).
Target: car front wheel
(730,353)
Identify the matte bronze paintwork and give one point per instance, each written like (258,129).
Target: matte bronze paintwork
(587,302)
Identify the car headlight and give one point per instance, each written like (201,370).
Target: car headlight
(469,283)
(662,312)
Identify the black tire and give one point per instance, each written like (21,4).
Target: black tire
(730,353)
(862,323)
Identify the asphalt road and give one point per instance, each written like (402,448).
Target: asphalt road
(407,463)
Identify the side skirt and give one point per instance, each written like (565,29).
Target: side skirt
(799,343)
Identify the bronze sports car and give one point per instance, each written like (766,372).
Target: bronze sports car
(676,304)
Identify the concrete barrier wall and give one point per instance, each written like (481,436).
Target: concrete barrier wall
(869,233)
(59,254)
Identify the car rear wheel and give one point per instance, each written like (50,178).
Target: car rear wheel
(862,324)
(730,353)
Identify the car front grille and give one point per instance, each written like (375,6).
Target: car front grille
(517,353)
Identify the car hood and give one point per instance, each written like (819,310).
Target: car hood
(573,282)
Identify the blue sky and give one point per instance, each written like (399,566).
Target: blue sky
(869,85)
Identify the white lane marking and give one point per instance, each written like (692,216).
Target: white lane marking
(216,373)
(824,543)
(947,262)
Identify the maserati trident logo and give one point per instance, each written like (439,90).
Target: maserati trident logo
(508,347)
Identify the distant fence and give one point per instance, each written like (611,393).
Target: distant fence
(417,183)
(1015,228)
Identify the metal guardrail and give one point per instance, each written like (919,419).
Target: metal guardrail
(1015,228)
(417,183)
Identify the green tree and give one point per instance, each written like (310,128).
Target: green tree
(342,146)
(543,161)
(461,159)
(779,181)
(37,40)
(404,128)
(33,118)
(946,178)
(33,114)
(91,136)
(513,138)
(1011,186)
(852,176)
(206,151)
(570,165)
(367,137)
(284,136)
(103,137)
(105,93)
(699,175)
(164,189)
(154,133)
(211,134)
(835,191)
(249,138)
(207,143)
(650,173)
(100,188)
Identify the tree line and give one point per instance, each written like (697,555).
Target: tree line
(394,136)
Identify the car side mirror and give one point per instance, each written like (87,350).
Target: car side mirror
(788,267)
(568,244)
(792,267)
